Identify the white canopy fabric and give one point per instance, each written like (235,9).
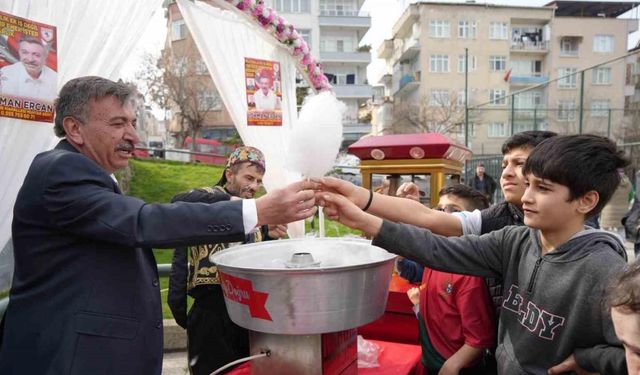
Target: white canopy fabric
(94,37)
(224,39)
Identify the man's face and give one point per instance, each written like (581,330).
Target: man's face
(245,182)
(480,170)
(512,181)
(452,203)
(627,327)
(109,135)
(32,56)
(264,84)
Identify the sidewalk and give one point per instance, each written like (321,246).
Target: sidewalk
(175,363)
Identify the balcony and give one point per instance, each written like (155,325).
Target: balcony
(408,84)
(345,57)
(385,50)
(352,20)
(386,79)
(410,50)
(352,91)
(529,47)
(516,80)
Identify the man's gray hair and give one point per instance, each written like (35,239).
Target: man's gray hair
(75,96)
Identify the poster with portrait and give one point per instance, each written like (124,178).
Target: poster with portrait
(264,92)
(28,69)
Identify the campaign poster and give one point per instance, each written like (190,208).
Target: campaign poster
(28,69)
(264,92)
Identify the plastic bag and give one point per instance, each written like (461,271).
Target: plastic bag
(368,353)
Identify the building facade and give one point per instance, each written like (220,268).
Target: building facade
(512,53)
(333,29)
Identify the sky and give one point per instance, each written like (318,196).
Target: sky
(383,13)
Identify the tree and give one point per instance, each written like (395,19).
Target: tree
(178,80)
(439,113)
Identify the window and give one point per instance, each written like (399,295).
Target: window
(527,68)
(439,98)
(306,35)
(439,29)
(497,63)
(439,64)
(498,30)
(467,29)
(569,47)
(602,76)
(568,78)
(460,98)
(599,108)
(473,63)
(337,8)
(603,43)
(498,97)
(498,129)
(178,30)
(337,44)
(292,6)
(209,101)
(180,66)
(566,110)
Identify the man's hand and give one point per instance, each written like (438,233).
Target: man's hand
(277,230)
(569,365)
(358,195)
(339,208)
(292,203)
(409,190)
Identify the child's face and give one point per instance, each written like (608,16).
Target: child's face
(627,327)
(511,180)
(547,207)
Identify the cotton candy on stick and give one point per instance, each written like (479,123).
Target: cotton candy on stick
(315,140)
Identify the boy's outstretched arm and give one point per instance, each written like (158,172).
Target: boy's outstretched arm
(394,208)
(469,255)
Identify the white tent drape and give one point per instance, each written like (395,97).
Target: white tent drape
(94,38)
(224,39)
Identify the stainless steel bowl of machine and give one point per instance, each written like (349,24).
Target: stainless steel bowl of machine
(305,286)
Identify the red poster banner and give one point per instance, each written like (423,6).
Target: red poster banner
(241,290)
(264,92)
(28,69)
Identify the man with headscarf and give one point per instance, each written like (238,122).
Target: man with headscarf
(213,339)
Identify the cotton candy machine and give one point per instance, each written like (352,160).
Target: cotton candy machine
(302,300)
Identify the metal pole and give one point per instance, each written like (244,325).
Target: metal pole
(513,114)
(466,108)
(466,97)
(581,101)
(609,124)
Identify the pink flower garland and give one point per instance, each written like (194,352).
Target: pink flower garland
(286,34)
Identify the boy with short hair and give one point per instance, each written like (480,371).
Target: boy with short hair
(553,271)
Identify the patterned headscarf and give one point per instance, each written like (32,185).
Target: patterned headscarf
(243,154)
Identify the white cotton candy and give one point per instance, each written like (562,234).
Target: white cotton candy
(315,140)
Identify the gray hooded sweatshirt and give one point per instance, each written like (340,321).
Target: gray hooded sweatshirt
(552,304)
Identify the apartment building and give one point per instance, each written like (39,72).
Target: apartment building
(511,49)
(333,29)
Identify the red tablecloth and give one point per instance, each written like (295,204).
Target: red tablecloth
(394,359)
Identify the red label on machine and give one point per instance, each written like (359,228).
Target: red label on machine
(241,291)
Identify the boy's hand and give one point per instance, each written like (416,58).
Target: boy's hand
(569,365)
(359,196)
(414,295)
(277,231)
(409,190)
(339,208)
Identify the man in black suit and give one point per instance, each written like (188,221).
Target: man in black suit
(85,296)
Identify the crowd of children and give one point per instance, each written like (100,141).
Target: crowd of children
(550,275)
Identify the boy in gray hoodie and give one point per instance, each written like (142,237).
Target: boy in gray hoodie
(554,270)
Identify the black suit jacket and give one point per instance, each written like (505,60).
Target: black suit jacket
(85,296)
